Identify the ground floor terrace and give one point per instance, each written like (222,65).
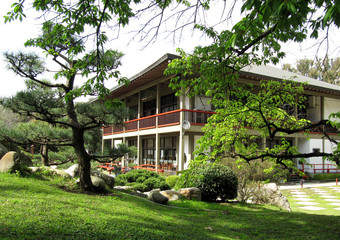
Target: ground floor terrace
(166,140)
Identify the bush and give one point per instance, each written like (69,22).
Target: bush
(142,180)
(214,180)
(250,174)
(172,180)
(326,176)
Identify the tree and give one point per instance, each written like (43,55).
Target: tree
(210,70)
(55,102)
(327,70)
(244,117)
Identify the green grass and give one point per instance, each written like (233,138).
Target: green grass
(32,208)
(329,209)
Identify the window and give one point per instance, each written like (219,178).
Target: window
(168,153)
(149,108)
(148,153)
(133,112)
(168,103)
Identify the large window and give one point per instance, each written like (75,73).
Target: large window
(148,154)
(149,108)
(168,103)
(168,153)
(133,112)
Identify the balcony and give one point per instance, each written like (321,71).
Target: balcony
(195,117)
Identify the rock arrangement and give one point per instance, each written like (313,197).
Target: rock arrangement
(172,195)
(99,180)
(271,194)
(11,161)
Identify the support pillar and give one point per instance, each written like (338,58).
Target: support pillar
(158,149)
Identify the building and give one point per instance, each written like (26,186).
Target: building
(165,128)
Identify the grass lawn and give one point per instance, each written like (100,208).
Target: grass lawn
(32,208)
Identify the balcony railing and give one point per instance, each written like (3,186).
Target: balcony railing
(195,117)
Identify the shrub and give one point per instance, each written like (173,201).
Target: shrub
(250,174)
(326,176)
(214,180)
(142,180)
(172,180)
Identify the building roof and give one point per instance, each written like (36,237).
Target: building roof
(267,72)
(263,72)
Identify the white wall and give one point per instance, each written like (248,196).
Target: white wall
(314,109)
(331,106)
(201,103)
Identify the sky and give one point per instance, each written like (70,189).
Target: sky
(136,58)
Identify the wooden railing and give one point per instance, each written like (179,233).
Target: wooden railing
(196,117)
(320,168)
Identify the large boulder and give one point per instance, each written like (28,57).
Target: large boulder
(172,195)
(157,197)
(191,193)
(274,196)
(9,162)
(73,171)
(99,183)
(62,173)
(109,180)
(3,150)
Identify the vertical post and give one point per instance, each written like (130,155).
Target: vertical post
(139,114)
(180,162)
(157,155)
(32,151)
(301,182)
(336,181)
(158,101)
(139,150)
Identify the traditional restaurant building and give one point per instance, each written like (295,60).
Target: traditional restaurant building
(165,127)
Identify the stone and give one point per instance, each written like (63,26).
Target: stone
(23,158)
(127,188)
(9,162)
(109,180)
(274,196)
(157,197)
(62,173)
(191,193)
(172,195)
(73,170)
(99,183)
(35,169)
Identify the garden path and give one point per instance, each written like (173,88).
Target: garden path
(323,192)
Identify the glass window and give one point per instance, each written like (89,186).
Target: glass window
(148,152)
(149,108)
(168,103)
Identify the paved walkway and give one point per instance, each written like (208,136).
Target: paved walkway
(309,185)
(304,199)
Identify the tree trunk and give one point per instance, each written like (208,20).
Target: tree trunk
(44,154)
(84,161)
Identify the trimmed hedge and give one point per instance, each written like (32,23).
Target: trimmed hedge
(326,176)
(172,180)
(216,181)
(142,180)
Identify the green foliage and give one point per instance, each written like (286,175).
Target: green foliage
(22,171)
(251,175)
(142,180)
(326,69)
(326,176)
(172,180)
(214,180)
